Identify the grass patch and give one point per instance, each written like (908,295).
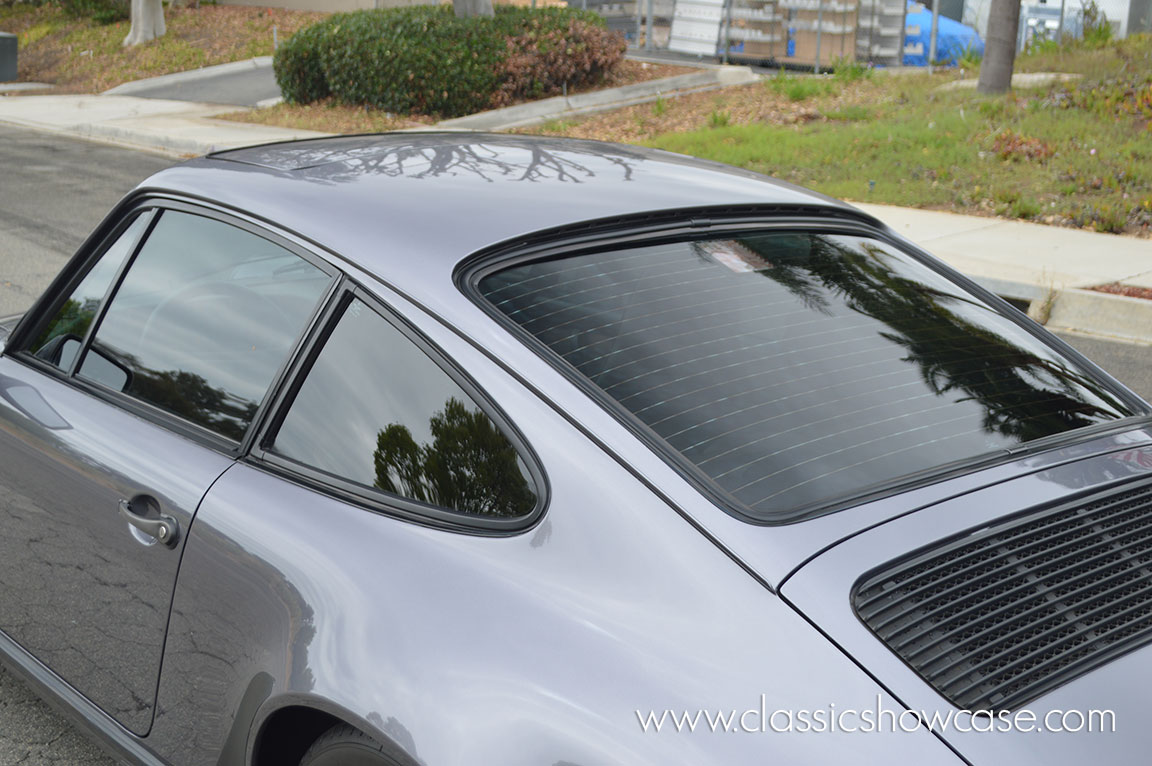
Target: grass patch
(1133,53)
(79,55)
(1077,154)
(851,113)
(719,119)
(1035,156)
(799,88)
(850,71)
(327,117)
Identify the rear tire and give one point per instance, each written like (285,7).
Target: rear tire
(344,745)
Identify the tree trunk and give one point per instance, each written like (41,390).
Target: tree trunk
(147,22)
(1000,48)
(468,8)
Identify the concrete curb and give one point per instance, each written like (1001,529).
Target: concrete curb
(1019,80)
(18,87)
(687,63)
(136,86)
(533,113)
(1115,316)
(1077,310)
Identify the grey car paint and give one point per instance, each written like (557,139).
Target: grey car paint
(68,461)
(632,592)
(1121,686)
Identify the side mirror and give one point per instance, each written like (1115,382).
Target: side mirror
(61,350)
(104,368)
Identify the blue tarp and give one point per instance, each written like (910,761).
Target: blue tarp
(952,39)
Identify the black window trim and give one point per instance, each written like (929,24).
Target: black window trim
(85,260)
(620,235)
(261,454)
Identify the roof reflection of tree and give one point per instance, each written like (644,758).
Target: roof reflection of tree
(422,159)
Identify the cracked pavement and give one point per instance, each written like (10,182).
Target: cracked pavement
(32,734)
(54,192)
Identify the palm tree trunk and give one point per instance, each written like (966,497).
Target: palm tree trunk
(1000,50)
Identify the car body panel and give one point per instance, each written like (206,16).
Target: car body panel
(408,207)
(69,457)
(381,189)
(631,592)
(519,649)
(821,590)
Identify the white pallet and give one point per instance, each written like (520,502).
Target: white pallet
(753,35)
(756,14)
(696,26)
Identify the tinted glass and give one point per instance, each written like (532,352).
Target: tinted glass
(204,318)
(795,369)
(377,411)
(61,339)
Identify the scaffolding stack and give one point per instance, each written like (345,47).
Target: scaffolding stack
(802,33)
(880,32)
(790,32)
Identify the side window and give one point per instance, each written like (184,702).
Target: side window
(61,339)
(377,411)
(205,316)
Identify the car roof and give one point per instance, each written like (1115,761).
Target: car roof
(407,206)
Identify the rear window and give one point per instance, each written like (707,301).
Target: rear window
(798,370)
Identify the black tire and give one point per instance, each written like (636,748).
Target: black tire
(344,745)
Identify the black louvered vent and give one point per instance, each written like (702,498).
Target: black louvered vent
(997,617)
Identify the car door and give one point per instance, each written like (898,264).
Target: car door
(123,396)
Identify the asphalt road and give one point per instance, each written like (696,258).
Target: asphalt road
(53,191)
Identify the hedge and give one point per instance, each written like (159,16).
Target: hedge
(424,60)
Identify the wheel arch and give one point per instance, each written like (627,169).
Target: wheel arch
(286,727)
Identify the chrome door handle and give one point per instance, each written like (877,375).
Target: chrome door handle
(164,528)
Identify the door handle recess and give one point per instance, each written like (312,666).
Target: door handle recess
(164,528)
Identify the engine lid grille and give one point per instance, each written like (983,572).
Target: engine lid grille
(997,616)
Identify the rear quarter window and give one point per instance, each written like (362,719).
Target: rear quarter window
(375,410)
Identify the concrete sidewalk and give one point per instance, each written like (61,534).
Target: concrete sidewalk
(243,83)
(177,128)
(157,114)
(1043,267)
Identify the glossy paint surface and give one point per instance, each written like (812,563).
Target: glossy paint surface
(535,648)
(83,591)
(633,591)
(1121,686)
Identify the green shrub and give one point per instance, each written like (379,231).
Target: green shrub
(424,60)
(298,68)
(1097,31)
(542,60)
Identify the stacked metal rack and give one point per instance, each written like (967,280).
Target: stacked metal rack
(804,33)
(799,32)
(880,32)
